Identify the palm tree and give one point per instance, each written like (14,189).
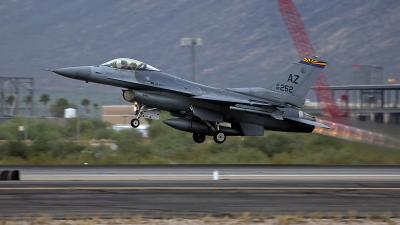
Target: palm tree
(86,102)
(44,98)
(28,101)
(10,102)
(96,107)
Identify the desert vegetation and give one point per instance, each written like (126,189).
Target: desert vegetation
(49,143)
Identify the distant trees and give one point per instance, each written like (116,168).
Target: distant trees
(96,108)
(44,98)
(58,107)
(85,103)
(10,100)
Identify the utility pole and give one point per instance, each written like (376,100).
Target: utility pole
(25,128)
(78,125)
(192,42)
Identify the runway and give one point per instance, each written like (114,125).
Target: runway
(205,172)
(276,189)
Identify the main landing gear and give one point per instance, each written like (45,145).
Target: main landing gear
(219,136)
(199,138)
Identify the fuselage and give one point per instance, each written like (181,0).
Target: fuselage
(176,95)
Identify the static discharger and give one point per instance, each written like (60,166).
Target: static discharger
(355,134)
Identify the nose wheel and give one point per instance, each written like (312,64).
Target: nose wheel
(199,138)
(219,137)
(135,123)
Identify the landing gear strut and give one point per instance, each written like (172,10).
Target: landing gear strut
(199,138)
(135,122)
(219,136)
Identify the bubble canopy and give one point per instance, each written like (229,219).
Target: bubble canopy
(128,64)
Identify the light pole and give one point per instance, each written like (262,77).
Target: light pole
(192,42)
(78,125)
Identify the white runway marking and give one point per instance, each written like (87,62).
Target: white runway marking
(207,176)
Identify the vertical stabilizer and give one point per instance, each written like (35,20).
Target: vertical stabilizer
(298,79)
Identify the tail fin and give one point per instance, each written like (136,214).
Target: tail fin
(298,79)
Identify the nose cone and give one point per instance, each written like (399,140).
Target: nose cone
(79,73)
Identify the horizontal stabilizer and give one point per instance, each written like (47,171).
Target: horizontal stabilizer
(316,124)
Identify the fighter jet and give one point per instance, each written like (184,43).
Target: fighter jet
(204,110)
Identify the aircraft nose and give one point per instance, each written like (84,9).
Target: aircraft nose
(80,73)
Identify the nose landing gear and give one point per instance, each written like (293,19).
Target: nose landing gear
(146,112)
(135,123)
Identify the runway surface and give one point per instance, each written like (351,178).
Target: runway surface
(87,191)
(204,172)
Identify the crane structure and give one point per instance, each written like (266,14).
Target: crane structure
(304,48)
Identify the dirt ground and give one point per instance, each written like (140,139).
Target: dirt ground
(203,221)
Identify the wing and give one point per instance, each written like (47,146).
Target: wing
(231,100)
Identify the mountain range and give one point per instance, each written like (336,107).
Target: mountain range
(244,42)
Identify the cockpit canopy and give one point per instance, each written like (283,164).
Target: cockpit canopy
(129,64)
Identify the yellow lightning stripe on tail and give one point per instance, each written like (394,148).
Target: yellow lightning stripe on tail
(314,62)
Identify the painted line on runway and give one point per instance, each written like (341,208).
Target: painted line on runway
(208,177)
(196,188)
(221,175)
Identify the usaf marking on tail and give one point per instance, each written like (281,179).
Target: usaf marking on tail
(200,109)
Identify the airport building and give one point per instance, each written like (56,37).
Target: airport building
(120,116)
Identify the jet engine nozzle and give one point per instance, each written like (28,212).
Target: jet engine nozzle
(128,95)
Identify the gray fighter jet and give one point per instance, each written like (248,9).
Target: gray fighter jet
(201,109)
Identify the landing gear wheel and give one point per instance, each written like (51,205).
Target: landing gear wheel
(219,137)
(199,138)
(135,123)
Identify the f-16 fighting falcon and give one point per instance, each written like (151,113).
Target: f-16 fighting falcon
(200,109)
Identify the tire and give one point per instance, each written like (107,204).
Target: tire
(135,123)
(4,175)
(219,137)
(9,175)
(14,175)
(199,138)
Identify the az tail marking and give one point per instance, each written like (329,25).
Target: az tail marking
(290,78)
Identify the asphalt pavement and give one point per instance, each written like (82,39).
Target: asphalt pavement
(87,191)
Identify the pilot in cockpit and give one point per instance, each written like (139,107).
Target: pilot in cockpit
(124,64)
(132,66)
